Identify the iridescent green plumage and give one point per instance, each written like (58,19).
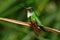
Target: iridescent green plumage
(31,14)
(35,22)
(34,17)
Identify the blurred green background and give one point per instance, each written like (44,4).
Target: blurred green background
(48,12)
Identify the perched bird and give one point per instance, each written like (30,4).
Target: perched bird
(35,22)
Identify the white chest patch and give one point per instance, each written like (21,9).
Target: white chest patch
(28,14)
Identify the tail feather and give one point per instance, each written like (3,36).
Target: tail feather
(43,28)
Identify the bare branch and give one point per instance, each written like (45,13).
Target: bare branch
(27,24)
(15,21)
(52,30)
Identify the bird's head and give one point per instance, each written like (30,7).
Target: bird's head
(29,11)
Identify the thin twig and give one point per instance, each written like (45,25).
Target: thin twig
(27,24)
(15,21)
(52,30)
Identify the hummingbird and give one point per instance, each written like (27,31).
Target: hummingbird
(35,22)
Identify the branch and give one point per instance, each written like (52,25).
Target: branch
(15,21)
(28,24)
